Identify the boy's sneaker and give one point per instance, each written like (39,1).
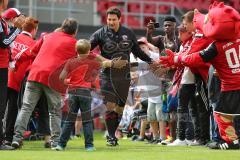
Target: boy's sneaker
(90,149)
(58,148)
(178,142)
(16,144)
(53,144)
(112,141)
(47,145)
(224,145)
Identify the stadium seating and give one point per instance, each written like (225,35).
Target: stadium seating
(133,7)
(149,8)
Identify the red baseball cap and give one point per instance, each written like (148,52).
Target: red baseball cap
(11,13)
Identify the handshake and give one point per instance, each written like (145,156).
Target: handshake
(119,63)
(165,63)
(158,69)
(115,63)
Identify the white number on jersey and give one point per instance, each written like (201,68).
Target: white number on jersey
(233,58)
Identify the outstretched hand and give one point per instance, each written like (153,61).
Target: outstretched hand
(154,66)
(119,63)
(167,60)
(158,69)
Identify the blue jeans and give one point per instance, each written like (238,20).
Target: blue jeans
(214,132)
(78,99)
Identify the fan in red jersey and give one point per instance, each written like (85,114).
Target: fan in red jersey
(20,45)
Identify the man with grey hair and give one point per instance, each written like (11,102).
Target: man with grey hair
(56,48)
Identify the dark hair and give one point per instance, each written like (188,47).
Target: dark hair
(69,26)
(170,18)
(188,16)
(30,24)
(114,10)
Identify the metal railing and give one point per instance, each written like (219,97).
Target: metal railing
(157,15)
(54,11)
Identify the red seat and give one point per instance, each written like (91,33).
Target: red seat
(102,6)
(163,9)
(132,21)
(134,7)
(111,4)
(150,8)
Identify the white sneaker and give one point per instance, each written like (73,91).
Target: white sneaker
(178,142)
(189,142)
(195,143)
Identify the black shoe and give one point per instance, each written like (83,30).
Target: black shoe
(112,141)
(6,147)
(153,141)
(47,145)
(16,144)
(134,137)
(8,143)
(139,139)
(203,142)
(78,135)
(224,145)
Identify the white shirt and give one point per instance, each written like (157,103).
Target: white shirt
(148,82)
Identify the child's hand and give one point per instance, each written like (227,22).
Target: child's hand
(18,21)
(119,63)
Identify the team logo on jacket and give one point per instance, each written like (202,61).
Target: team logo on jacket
(124,37)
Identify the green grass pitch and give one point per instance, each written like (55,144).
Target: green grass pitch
(127,150)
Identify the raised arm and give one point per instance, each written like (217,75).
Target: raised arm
(198,58)
(136,50)
(6,40)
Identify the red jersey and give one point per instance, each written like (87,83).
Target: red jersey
(22,43)
(225,57)
(82,72)
(199,43)
(56,48)
(7,36)
(30,54)
(180,69)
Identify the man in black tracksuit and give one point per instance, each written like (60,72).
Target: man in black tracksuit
(115,41)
